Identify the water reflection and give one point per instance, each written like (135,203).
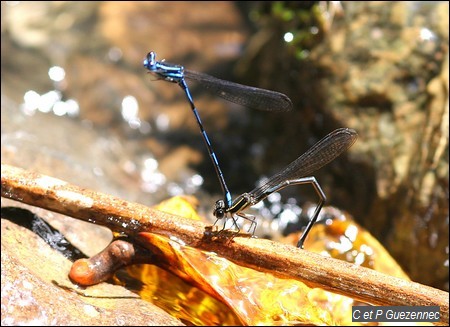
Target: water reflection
(50,102)
(130,114)
(427,35)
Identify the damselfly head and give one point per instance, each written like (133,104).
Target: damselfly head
(150,60)
(219,209)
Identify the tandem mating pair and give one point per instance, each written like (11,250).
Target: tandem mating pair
(297,172)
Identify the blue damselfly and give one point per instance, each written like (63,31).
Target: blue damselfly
(248,96)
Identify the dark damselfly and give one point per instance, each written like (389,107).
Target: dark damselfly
(296,173)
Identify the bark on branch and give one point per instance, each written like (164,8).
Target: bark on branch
(264,255)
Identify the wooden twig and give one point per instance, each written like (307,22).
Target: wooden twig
(279,259)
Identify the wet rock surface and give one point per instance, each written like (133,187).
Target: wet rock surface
(36,289)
